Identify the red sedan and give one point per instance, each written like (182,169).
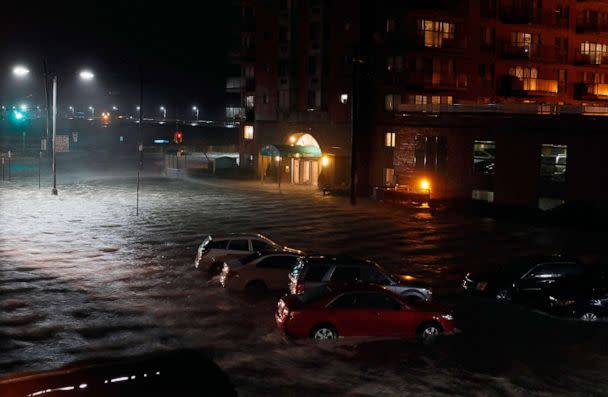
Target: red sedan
(359,310)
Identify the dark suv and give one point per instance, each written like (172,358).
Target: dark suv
(313,271)
(523,280)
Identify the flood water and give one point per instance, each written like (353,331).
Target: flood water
(82,276)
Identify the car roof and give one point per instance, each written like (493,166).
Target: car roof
(337,260)
(232,236)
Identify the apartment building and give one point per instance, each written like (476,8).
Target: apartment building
(498,100)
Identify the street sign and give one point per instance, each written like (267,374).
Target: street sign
(62,143)
(75,136)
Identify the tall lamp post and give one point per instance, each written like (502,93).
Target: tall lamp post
(164,110)
(195,109)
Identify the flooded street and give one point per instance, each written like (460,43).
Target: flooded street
(82,276)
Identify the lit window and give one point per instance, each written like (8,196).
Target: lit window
(249,103)
(343,98)
(390,25)
(434,32)
(389,177)
(391,102)
(248,132)
(598,53)
(389,139)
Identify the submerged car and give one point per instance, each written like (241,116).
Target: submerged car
(331,311)
(584,297)
(259,271)
(215,250)
(523,280)
(314,271)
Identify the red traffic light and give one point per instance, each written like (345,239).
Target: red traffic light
(178,137)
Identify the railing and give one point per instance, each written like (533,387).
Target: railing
(505,108)
(439,80)
(591,58)
(592,90)
(534,86)
(530,15)
(527,51)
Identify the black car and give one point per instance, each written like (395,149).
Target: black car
(524,279)
(584,297)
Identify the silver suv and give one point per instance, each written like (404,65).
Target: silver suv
(215,250)
(313,271)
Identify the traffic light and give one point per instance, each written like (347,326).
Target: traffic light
(17,117)
(177,137)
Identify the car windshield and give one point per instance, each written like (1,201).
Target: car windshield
(249,258)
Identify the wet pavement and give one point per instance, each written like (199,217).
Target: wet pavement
(82,276)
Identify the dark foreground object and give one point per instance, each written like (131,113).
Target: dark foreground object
(183,373)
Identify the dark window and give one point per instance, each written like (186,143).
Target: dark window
(312,65)
(282,68)
(315,31)
(376,300)
(552,270)
(376,276)
(278,262)
(267,35)
(214,244)
(431,153)
(283,34)
(316,273)
(260,245)
(345,274)
(346,301)
(312,99)
(239,245)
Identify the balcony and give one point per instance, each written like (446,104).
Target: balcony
(427,40)
(591,91)
(520,15)
(435,80)
(510,50)
(591,58)
(593,25)
(512,86)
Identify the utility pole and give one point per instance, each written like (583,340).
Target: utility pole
(355,127)
(140,145)
(54,114)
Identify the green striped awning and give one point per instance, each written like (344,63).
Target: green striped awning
(291,151)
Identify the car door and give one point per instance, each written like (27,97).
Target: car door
(543,275)
(391,318)
(346,274)
(274,270)
(351,315)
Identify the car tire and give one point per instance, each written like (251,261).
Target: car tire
(429,332)
(324,332)
(256,287)
(589,317)
(503,295)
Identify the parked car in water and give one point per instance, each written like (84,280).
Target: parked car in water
(259,271)
(215,250)
(584,297)
(331,311)
(524,279)
(313,271)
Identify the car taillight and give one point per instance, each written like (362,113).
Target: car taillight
(299,288)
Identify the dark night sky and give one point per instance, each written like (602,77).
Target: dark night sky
(181,45)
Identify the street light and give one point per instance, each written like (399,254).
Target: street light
(115,108)
(20,71)
(86,75)
(195,109)
(23,107)
(162,109)
(71,108)
(92,109)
